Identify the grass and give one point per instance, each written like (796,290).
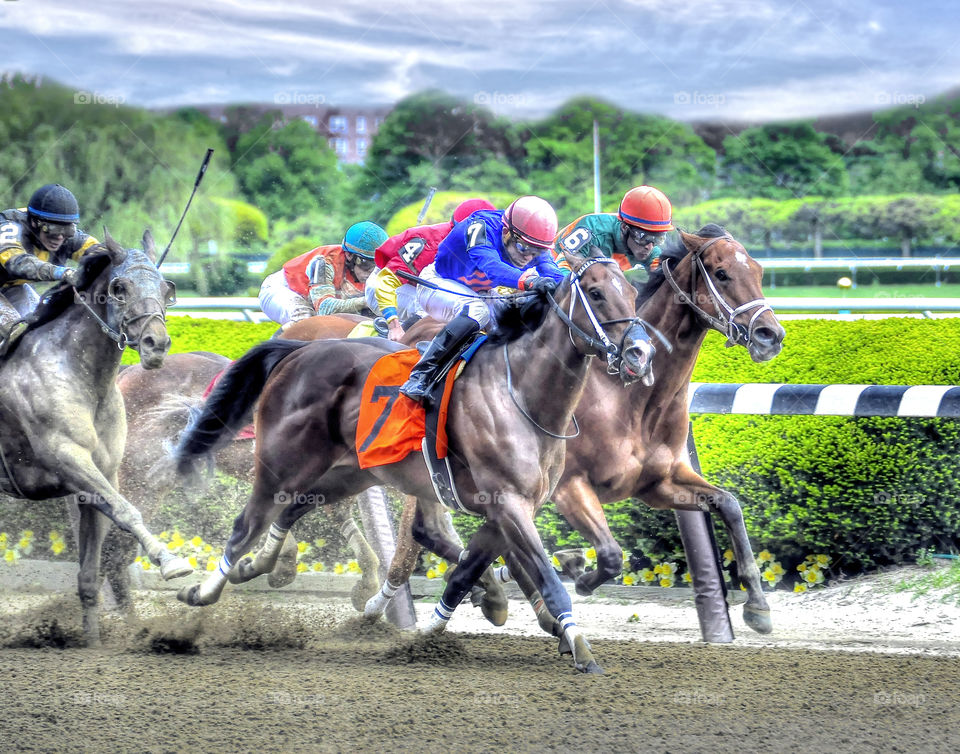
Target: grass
(908,290)
(939,579)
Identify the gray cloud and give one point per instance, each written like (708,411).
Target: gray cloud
(756,59)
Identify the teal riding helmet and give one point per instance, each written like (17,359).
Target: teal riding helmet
(363,239)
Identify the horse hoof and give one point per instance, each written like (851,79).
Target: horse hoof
(190,595)
(572,562)
(548,623)
(591,667)
(175,568)
(241,571)
(758,620)
(583,589)
(564,646)
(359,595)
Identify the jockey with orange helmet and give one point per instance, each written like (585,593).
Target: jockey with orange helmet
(632,236)
(489,249)
(324,280)
(409,251)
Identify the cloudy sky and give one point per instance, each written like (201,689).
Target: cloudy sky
(689,59)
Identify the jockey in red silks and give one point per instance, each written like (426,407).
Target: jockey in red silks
(409,251)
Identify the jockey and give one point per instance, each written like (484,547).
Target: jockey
(410,251)
(35,245)
(325,280)
(490,249)
(632,236)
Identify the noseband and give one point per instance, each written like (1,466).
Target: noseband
(723,319)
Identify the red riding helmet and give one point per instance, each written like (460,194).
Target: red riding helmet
(532,220)
(648,208)
(467,208)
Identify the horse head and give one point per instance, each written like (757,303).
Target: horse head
(136,300)
(722,284)
(600,309)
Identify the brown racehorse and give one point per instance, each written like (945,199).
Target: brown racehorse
(632,440)
(506,455)
(158,404)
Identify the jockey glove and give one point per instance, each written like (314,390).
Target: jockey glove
(542,285)
(71,276)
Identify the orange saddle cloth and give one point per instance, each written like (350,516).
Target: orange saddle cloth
(391,425)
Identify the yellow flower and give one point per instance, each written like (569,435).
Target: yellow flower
(338,568)
(591,554)
(799,588)
(777,569)
(320,542)
(668,569)
(802,567)
(667,581)
(354,567)
(301,547)
(728,556)
(27,534)
(57,547)
(196,541)
(442,567)
(769,575)
(318,566)
(811,577)
(211,564)
(743,588)
(628,580)
(658,569)
(10,556)
(556,563)
(192,561)
(301,567)
(163,535)
(688,577)
(823,560)
(55,536)
(208,548)
(146,564)
(647,575)
(172,546)
(431,574)
(764,556)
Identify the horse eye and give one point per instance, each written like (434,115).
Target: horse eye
(721,275)
(596,294)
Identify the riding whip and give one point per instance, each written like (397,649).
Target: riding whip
(426,205)
(196,185)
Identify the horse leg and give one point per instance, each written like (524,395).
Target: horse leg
(247,528)
(579,504)
(687,490)
(514,571)
(367,559)
(279,539)
(433,530)
(93,528)
(404,560)
(118,554)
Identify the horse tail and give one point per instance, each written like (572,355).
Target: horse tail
(229,407)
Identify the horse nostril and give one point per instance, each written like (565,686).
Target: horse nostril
(148,342)
(765,336)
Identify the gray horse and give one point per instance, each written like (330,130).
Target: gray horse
(62,425)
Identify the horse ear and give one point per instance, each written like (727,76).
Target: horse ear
(117,252)
(691,241)
(149,247)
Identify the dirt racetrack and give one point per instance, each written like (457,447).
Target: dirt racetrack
(257,673)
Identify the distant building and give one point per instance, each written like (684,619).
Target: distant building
(349,130)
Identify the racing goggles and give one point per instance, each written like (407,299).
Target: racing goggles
(362,263)
(67,230)
(643,237)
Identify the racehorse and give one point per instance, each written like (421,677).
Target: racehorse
(62,426)
(632,440)
(158,405)
(505,457)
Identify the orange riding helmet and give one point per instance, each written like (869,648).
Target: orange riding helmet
(648,208)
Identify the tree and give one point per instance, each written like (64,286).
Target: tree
(782,161)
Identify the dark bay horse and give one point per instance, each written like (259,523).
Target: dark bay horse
(158,406)
(62,425)
(506,455)
(633,440)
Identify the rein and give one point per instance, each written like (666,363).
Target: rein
(725,314)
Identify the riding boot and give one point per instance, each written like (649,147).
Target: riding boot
(435,358)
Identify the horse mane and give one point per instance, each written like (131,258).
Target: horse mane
(521,315)
(55,301)
(674,251)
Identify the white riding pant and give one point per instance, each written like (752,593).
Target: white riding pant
(450,299)
(280,303)
(406,297)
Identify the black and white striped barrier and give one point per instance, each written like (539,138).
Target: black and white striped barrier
(825,400)
(780,399)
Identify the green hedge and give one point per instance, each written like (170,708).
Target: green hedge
(866,492)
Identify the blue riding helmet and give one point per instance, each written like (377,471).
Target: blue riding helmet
(363,239)
(55,203)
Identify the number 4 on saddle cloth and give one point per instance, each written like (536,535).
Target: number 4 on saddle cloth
(391,425)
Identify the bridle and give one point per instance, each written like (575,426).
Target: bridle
(120,336)
(723,320)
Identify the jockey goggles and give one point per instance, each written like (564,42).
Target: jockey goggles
(67,230)
(362,262)
(645,238)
